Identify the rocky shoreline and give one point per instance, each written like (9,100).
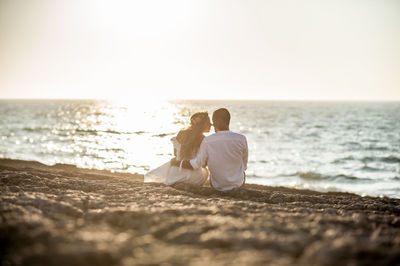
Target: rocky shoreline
(63,215)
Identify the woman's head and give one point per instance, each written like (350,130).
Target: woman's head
(200,121)
(192,137)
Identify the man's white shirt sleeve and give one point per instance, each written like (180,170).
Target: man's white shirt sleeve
(245,154)
(201,156)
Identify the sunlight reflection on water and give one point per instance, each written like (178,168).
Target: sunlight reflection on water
(326,146)
(136,134)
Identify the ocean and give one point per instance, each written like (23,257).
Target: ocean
(323,146)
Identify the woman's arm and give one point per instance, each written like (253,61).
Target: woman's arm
(185,164)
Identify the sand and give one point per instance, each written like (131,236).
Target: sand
(62,215)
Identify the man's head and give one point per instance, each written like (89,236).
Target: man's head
(221,119)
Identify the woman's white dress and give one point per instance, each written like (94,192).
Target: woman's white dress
(170,175)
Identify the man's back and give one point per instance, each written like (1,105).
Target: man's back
(226,154)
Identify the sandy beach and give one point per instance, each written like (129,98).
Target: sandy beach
(63,215)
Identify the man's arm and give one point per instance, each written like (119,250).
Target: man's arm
(201,157)
(245,154)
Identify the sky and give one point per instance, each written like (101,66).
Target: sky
(206,49)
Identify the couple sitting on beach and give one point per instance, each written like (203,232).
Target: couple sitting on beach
(225,154)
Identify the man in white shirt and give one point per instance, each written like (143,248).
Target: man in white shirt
(225,153)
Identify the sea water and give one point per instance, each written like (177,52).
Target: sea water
(324,146)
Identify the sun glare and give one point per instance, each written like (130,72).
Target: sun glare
(144,126)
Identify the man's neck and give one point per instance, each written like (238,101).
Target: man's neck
(221,129)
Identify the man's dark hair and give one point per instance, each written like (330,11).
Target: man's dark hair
(222,116)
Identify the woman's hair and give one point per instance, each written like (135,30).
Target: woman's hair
(191,137)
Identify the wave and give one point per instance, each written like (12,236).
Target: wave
(95,132)
(89,131)
(368,159)
(113,149)
(341,160)
(376,148)
(318,176)
(369,168)
(310,175)
(387,159)
(391,159)
(353,144)
(367,147)
(122,132)
(81,131)
(252,175)
(139,132)
(316,188)
(163,135)
(36,129)
(54,131)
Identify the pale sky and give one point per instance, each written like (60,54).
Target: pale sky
(301,50)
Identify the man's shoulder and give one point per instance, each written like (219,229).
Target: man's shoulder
(234,135)
(210,137)
(238,135)
(224,136)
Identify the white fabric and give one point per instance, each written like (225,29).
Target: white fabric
(170,175)
(194,177)
(226,154)
(158,175)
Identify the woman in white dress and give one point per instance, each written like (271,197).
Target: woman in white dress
(186,145)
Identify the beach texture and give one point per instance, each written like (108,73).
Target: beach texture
(62,215)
